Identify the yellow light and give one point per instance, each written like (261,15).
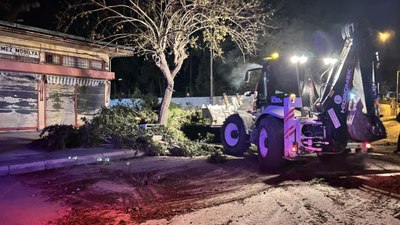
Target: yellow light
(275,55)
(385,36)
(292,96)
(368,145)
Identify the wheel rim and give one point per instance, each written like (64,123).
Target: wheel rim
(229,138)
(263,143)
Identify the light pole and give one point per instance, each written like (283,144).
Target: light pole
(115,87)
(190,77)
(296,60)
(211,77)
(211,69)
(397,91)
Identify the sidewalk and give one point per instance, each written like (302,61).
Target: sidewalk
(16,157)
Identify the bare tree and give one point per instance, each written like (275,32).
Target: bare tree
(165,29)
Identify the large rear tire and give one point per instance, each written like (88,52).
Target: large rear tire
(234,136)
(270,143)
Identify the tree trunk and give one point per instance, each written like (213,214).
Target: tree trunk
(163,117)
(169,77)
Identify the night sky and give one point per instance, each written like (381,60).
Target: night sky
(325,15)
(382,14)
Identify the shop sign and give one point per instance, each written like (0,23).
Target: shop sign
(10,50)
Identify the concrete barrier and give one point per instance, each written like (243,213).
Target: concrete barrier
(184,101)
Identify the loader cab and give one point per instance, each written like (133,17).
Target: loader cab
(277,80)
(249,86)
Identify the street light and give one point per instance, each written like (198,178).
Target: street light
(397,91)
(385,36)
(296,60)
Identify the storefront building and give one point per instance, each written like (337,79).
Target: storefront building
(49,78)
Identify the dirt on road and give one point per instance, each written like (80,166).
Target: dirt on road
(167,190)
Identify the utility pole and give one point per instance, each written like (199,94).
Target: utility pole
(211,76)
(115,89)
(397,91)
(190,77)
(115,86)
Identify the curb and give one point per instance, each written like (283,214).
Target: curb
(46,164)
(26,167)
(4,170)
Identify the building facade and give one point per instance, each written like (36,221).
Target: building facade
(49,78)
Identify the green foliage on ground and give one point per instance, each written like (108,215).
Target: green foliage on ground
(117,125)
(58,137)
(123,126)
(217,156)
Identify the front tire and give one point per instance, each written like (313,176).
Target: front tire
(234,136)
(270,143)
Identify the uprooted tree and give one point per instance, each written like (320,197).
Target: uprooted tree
(165,29)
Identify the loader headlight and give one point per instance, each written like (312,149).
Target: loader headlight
(273,56)
(292,97)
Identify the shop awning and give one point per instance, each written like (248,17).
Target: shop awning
(72,81)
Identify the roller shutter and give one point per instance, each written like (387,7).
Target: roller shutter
(18,101)
(60,105)
(90,101)
(68,99)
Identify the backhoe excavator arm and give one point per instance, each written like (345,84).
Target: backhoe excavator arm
(349,95)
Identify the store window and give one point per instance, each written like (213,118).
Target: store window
(53,58)
(82,63)
(97,65)
(72,61)
(69,61)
